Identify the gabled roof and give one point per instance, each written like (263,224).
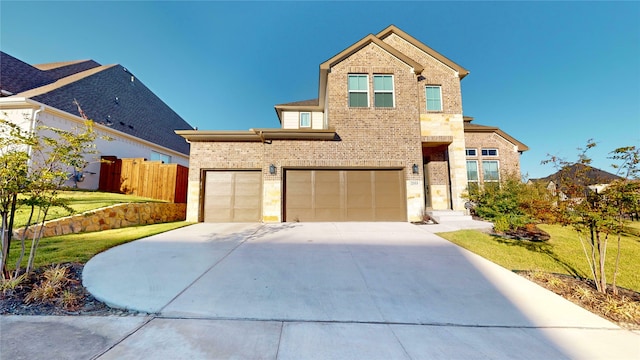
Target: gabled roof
(392,29)
(325,67)
(477,128)
(108,94)
(417,68)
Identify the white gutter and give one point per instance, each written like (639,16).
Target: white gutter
(32,131)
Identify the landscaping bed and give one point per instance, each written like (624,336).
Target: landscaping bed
(70,297)
(622,309)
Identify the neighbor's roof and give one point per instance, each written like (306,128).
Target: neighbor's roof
(469,127)
(580,173)
(109,94)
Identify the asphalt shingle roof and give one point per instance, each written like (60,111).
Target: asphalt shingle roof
(580,174)
(66,69)
(110,95)
(310,102)
(17,76)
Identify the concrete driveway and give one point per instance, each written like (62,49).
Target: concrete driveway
(332,291)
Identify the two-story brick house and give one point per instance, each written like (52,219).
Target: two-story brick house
(384,140)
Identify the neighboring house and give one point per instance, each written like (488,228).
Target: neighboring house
(384,140)
(139,123)
(582,176)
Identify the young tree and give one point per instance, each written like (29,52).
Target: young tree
(594,214)
(624,195)
(14,156)
(36,167)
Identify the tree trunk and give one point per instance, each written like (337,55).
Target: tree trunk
(5,247)
(22,241)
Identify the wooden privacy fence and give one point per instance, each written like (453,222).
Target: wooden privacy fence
(140,177)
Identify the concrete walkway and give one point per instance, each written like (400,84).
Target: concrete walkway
(316,291)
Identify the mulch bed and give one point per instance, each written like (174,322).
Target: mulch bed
(13,301)
(622,309)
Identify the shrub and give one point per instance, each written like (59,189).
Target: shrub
(512,205)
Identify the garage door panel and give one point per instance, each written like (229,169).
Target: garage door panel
(325,215)
(232,196)
(345,195)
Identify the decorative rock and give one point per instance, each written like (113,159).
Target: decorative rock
(113,217)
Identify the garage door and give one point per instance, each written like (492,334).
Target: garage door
(232,196)
(345,195)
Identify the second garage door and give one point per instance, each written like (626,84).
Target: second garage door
(233,196)
(345,195)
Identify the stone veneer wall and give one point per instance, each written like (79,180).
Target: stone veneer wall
(113,217)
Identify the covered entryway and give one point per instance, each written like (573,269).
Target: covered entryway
(345,195)
(232,196)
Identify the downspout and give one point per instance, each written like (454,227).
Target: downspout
(32,131)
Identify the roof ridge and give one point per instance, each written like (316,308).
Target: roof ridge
(56,65)
(63,81)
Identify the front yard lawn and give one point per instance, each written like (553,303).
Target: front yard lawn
(82,247)
(561,254)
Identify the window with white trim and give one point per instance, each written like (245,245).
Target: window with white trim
(383,90)
(490,171)
(489,152)
(471,152)
(472,175)
(434,97)
(305,119)
(358,90)
(156,156)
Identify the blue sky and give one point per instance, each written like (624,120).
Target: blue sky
(551,74)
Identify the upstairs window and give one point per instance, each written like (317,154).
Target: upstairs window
(358,91)
(383,90)
(434,98)
(471,152)
(489,152)
(305,119)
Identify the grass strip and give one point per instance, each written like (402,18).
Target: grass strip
(82,247)
(561,254)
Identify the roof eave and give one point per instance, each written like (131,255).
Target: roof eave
(256,135)
(490,129)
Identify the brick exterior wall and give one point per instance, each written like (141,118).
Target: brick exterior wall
(508,156)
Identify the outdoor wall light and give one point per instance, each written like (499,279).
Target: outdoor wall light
(272,169)
(415,168)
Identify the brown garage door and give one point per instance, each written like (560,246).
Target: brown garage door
(233,196)
(345,195)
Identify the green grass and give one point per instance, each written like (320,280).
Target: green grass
(82,247)
(561,254)
(80,201)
